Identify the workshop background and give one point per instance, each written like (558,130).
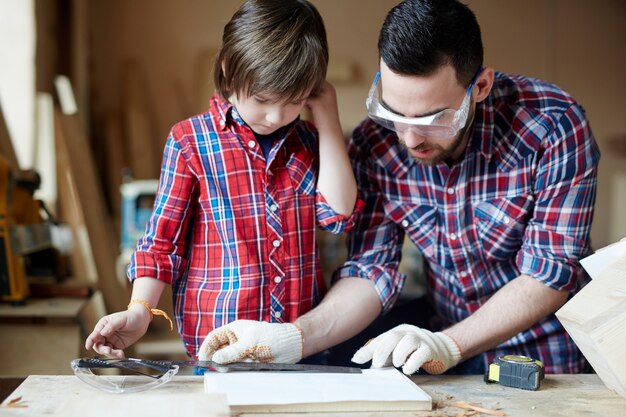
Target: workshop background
(137,67)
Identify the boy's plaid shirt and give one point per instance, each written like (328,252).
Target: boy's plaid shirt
(519,202)
(234,235)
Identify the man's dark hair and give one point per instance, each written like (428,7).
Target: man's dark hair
(273,46)
(419,36)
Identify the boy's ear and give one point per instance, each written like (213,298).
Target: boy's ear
(483,85)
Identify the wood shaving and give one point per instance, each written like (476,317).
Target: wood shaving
(466,405)
(14,403)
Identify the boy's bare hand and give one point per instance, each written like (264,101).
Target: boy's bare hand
(117,331)
(324,108)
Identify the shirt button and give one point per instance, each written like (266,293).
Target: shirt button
(450,190)
(506,220)
(277,280)
(405,223)
(452,236)
(251,144)
(276,243)
(463,274)
(278,315)
(273,207)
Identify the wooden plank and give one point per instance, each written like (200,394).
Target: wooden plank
(73,143)
(44,152)
(82,263)
(138,124)
(596,319)
(6,145)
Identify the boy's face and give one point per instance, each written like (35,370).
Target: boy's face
(264,113)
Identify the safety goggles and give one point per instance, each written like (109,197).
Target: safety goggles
(124,375)
(443,124)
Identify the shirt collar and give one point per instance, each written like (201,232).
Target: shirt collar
(220,109)
(483,129)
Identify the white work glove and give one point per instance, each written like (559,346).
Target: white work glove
(412,348)
(256,341)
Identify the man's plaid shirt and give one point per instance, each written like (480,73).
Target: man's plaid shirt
(520,201)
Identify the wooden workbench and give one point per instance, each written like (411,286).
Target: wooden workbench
(560,395)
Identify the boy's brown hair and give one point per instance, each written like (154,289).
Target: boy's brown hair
(273,46)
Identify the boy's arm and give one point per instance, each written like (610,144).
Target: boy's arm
(335,180)
(117,331)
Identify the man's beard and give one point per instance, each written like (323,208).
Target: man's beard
(448,154)
(441,153)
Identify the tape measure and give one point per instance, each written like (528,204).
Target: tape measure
(516,371)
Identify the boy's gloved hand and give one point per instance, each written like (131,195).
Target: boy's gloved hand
(257,341)
(412,347)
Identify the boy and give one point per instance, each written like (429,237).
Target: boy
(242,188)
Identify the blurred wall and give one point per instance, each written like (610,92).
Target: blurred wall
(577,44)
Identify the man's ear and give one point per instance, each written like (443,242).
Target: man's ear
(483,85)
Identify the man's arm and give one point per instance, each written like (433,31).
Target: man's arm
(513,308)
(349,307)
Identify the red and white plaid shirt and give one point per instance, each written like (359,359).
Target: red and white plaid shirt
(232,233)
(520,201)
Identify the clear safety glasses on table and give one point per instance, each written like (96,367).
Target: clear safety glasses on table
(123,376)
(443,124)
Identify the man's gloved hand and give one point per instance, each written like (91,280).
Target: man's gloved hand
(412,348)
(257,341)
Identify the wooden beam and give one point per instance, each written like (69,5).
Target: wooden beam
(596,319)
(6,145)
(72,143)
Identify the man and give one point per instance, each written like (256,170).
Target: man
(493,177)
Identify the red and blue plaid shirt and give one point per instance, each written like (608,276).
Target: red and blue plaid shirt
(520,201)
(233,233)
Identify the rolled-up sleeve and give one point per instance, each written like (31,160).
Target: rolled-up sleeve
(558,234)
(330,221)
(375,243)
(160,253)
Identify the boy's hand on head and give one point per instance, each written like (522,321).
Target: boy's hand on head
(324,108)
(412,348)
(117,331)
(257,341)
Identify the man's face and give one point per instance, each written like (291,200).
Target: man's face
(417,96)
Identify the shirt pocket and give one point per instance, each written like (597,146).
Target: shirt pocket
(417,221)
(302,173)
(500,225)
